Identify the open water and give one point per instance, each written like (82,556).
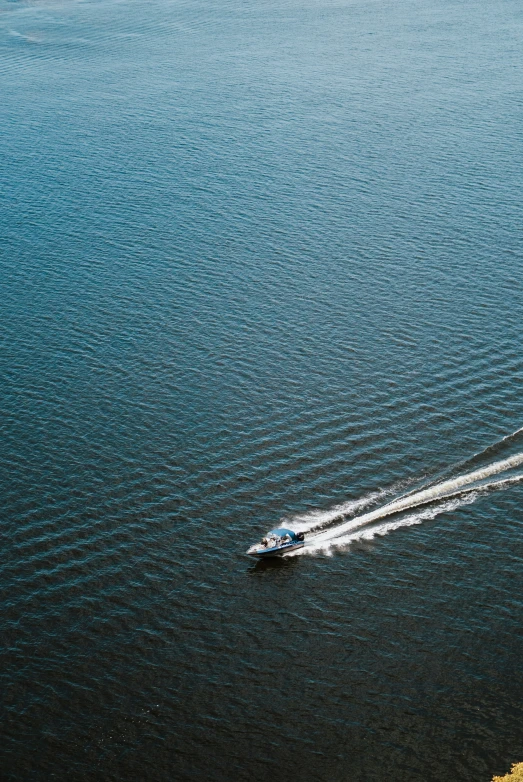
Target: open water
(261,262)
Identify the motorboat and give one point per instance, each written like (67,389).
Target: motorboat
(276,543)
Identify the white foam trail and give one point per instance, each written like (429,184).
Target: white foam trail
(471,459)
(317,519)
(359,529)
(440,491)
(378,530)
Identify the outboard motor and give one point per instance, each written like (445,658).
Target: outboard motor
(300,536)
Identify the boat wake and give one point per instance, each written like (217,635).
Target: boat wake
(319,519)
(426,503)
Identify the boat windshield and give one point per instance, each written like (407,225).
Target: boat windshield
(278,537)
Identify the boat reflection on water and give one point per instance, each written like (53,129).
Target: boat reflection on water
(276,543)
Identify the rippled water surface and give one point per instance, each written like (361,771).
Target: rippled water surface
(260,261)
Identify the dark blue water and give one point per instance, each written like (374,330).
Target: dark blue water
(258,260)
